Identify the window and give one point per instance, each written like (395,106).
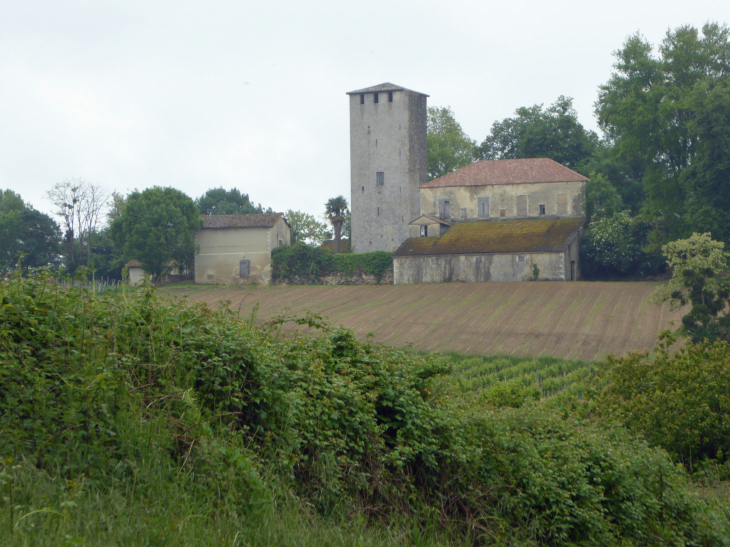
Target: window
(542,208)
(380,178)
(463,212)
(444,208)
(375,97)
(562,204)
(362,98)
(390,96)
(522,206)
(363,189)
(483,204)
(377,211)
(424,231)
(502,211)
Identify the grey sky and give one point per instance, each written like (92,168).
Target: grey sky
(195,95)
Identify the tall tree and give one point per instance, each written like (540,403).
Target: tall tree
(305,228)
(27,236)
(650,109)
(336,210)
(80,204)
(554,133)
(219,201)
(449,148)
(157,227)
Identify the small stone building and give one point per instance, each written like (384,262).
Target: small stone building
(135,272)
(493,250)
(236,249)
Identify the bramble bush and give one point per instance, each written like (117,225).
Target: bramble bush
(127,391)
(310,263)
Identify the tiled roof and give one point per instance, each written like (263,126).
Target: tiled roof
(486,173)
(241,221)
(387,86)
(492,236)
(134,263)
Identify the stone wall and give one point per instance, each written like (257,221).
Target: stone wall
(478,268)
(359,278)
(503,197)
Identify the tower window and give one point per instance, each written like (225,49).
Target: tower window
(390,96)
(375,97)
(362,98)
(380,178)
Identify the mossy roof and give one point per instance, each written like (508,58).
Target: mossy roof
(491,236)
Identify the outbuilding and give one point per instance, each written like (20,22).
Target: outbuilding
(493,250)
(236,249)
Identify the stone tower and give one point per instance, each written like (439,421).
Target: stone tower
(388,163)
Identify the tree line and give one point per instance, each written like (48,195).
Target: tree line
(103,230)
(660,169)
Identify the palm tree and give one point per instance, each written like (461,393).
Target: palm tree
(335,209)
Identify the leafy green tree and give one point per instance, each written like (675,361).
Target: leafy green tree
(602,199)
(612,246)
(27,236)
(699,277)
(336,212)
(554,133)
(157,227)
(652,109)
(449,148)
(305,228)
(677,400)
(219,201)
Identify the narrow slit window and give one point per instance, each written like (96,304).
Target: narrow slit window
(362,98)
(377,211)
(380,178)
(375,97)
(390,96)
(363,189)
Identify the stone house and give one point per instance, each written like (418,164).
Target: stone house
(236,249)
(489,221)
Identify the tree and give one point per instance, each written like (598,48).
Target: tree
(553,133)
(219,201)
(612,246)
(602,199)
(449,148)
(699,277)
(336,210)
(305,228)
(26,235)
(651,110)
(157,227)
(80,204)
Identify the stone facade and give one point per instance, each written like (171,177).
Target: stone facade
(483,267)
(388,164)
(228,240)
(561,199)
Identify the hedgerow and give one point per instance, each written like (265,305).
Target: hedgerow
(310,263)
(128,390)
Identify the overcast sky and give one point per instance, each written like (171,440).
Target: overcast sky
(132,94)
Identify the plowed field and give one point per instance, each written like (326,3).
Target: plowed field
(568,320)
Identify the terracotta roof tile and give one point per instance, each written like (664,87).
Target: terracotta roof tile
(387,86)
(487,173)
(492,236)
(241,221)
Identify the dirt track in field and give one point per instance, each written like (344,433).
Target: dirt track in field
(570,320)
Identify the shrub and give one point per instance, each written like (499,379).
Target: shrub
(310,263)
(678,401)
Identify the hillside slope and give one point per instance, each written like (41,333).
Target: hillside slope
(569,320)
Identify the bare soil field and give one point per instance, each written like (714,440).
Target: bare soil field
(580,320)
